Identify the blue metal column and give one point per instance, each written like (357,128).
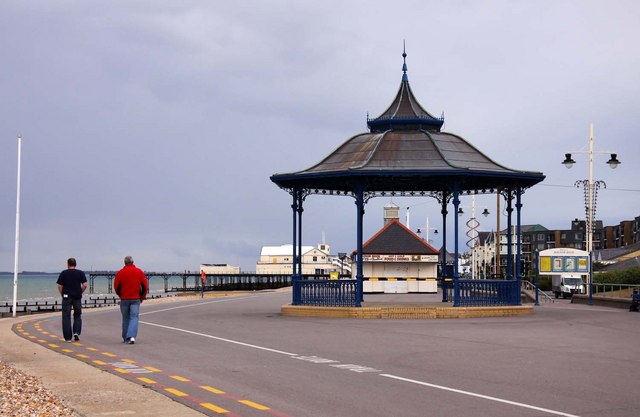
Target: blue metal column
(359,274)
(443,261)
(590,279)
(300,210)
(509,235)
(456,285)
(294,281)
(537,257)
(518,244)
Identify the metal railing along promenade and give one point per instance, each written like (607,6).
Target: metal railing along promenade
(615,290)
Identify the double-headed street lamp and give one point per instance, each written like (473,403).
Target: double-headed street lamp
(590,196)
(590,187)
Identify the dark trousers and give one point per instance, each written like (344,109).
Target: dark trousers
(67,305)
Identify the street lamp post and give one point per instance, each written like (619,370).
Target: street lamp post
(590,193)
(15,265)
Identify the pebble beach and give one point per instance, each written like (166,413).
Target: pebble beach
(22,395)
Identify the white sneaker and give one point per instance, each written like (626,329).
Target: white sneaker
(132,340)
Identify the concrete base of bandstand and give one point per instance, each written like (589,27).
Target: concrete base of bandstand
(374,310)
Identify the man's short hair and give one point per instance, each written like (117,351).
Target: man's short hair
(128,260)
(71,262)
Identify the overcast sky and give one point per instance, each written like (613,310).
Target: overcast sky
(151,128)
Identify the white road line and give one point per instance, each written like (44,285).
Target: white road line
(221,339)
(486,397)
(202,303)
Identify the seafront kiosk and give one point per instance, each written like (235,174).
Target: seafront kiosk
(396,260)
(405,153)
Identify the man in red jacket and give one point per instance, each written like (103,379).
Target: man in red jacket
(132,286)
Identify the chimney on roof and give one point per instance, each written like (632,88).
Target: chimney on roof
(391,212)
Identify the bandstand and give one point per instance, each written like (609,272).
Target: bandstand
(405,153)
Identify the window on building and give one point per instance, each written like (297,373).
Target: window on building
(563,236)
(315,259)
(540,236)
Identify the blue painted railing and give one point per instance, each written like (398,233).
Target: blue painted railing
(485,292)
(325,293)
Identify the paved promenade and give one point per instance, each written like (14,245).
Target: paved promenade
(238,356)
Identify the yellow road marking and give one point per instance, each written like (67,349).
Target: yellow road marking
(53,345)
(211,389)
(215,408)
(92,349)
(147,380)
(41,341)
(122,371)
(99,362)
(179,378)
(111,355)
(128,360)
(67,350)
(45,332)
(152,369)
(254,405)
(32,337)
(176,392)
(80,355)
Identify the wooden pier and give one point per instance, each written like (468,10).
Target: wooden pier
(227,282)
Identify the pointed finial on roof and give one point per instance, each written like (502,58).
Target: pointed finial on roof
(404,64)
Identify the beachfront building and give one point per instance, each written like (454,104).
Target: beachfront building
(219,269)
(396,260)
(279,260)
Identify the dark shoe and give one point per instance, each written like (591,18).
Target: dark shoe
(131,341)
(76,337)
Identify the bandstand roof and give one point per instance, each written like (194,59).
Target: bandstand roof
(405,150)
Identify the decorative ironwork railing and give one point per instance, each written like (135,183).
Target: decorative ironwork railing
(325,293)
(484,292)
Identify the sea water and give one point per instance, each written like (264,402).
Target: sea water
(42,286)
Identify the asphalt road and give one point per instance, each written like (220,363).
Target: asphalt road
(239,356)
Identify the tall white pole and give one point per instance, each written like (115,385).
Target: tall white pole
(427,234)
(408,225)
(590,211)
(15,266)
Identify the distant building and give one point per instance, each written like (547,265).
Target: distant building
(219,269)
(279,260)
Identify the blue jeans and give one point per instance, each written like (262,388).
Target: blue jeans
(67,304)
(130,310)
